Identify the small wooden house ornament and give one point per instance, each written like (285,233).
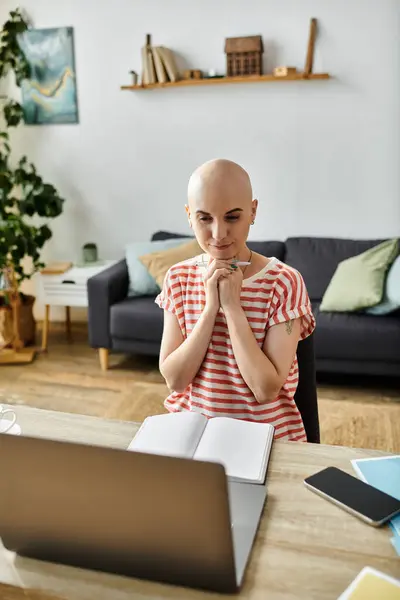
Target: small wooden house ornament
(244,56)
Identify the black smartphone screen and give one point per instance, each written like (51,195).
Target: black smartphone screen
(354,494)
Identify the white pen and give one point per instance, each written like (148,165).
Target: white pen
(239,263)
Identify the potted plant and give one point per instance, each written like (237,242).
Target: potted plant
(27,203)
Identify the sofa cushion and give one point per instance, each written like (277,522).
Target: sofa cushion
(269,249)
(359,281)
(137,318)
(272,248)
(158,263)
(391,297)
(317,258)
(141,283)
(356,336)
(167,235)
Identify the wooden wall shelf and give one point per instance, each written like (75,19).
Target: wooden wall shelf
(216,81)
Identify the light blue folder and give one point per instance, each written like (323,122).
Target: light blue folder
(384,474)
(396,543)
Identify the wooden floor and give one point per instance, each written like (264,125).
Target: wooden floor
(364,414)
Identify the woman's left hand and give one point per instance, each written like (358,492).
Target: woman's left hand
(229,289)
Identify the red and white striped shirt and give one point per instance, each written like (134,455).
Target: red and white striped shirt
(274,295)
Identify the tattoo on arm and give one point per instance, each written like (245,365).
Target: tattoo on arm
(289,327)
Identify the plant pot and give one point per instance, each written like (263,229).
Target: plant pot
(26,324)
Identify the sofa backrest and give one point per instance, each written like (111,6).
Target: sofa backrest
(167,235)
(272,248)
(276,249)
(317,259)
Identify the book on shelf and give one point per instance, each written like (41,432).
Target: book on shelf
(168,59)
(148,70)
(159,66)
(242,447)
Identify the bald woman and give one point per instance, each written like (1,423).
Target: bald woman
(232,317)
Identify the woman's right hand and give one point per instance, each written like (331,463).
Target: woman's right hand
(216,270)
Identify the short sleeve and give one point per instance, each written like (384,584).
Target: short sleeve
(170,294)
(171,298)
(290,301)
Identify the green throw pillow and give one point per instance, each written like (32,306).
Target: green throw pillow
(359,281)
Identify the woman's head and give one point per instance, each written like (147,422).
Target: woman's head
(221,207)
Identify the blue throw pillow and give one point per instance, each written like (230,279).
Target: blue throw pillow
(391,297)
(141,283)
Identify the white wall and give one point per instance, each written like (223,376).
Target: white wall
(323,156)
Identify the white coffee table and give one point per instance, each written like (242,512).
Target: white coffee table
(66,289)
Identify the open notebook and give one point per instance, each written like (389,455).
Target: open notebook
(243,447)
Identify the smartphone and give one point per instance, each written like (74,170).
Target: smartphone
(353,495)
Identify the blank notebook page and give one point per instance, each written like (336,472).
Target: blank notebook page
(241,446)
(175,434)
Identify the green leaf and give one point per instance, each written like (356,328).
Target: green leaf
(24,196)
(13,113)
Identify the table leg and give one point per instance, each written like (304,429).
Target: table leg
(68,322)
(103,354)
(45,332)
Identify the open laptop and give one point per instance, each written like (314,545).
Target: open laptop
(155,517)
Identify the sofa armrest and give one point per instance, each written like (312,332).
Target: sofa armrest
(105,289)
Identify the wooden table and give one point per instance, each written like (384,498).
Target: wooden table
(306,547)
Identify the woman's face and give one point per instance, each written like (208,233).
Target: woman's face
(221,220)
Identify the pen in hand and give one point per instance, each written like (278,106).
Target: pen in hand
(239,263)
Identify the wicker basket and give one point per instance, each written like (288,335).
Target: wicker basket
(26,325)
(6,326)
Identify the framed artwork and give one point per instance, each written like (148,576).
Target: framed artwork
(49,96)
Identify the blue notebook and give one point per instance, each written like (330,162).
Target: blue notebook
(384,474)
(396,543)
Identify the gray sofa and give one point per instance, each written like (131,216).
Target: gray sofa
(352,343)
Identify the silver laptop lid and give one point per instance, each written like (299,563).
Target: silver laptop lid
(246,505)
(141,515)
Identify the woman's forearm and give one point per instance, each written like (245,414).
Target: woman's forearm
(181,366)
(255,367)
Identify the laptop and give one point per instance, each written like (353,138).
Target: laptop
(160,518)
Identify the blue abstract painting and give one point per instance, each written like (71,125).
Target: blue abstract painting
(49,95)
